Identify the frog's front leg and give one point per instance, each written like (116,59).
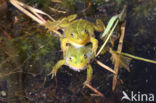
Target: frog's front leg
(64,42)
(99,25)
(94,44)
(56,67)
(89,74)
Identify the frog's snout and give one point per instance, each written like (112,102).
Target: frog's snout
(84,38)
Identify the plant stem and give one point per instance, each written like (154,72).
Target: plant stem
(116,66)
(138,58)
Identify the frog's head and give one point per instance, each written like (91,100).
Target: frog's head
(77,32)
(77,58)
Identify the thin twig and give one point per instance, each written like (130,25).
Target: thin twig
(37,12)
(58,33)
(32,13)
(95,90)
(89,5)
(116,66)
(5,33)
(138,58)
(59,11)
(17,4)
(105,66)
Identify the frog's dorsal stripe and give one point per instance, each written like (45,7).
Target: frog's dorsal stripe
(77,27)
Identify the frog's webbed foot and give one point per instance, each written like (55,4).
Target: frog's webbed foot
(99,25)
(67,20)
(56,67)
(53,73)
(89,75)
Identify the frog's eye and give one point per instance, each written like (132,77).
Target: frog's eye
(70,58)
(85,31)
(72,34)
(85,56)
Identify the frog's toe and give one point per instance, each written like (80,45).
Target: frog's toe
(53,74)
(93,51)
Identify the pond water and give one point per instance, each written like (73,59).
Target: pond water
(28,52)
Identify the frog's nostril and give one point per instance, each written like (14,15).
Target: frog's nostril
(72,35)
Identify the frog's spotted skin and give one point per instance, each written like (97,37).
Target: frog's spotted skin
(77,32)
(60,23)
(77,59)
(80,32)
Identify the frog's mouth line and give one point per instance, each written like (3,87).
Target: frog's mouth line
(77,67)
(79,42)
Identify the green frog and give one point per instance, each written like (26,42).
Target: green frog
(77,32)
(80,32)
(77,59)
